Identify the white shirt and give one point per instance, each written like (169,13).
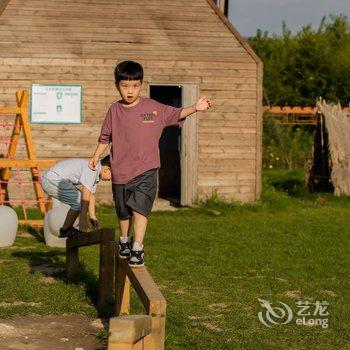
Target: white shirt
(77,171)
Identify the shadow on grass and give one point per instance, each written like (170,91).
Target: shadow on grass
(291,182)
(51,259)
(52,264)
(293,187)
(35,232)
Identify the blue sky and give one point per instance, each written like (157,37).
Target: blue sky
(249,15)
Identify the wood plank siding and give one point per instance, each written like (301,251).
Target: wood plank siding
(176,41)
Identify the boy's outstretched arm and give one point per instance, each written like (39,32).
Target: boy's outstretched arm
(101,147)
(92,212)
(202,104)
(85,200)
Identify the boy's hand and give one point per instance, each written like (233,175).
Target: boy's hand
(203,104)
(93,162)
(84,225)
(94,223)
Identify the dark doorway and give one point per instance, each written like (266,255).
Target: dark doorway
(169,145)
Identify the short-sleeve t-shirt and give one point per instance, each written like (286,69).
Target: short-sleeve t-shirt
(77,171)
(134,133)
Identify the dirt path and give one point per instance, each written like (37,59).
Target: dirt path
(34,332)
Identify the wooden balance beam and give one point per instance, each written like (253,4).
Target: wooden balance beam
(105,237)
(145,332)
(134,332)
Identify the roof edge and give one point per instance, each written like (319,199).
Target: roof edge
(3,6)
(234,31)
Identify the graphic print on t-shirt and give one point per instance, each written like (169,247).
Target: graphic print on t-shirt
(148,117)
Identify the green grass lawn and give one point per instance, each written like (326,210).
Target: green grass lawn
(212,264)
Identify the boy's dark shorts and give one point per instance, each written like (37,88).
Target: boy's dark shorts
(137,195)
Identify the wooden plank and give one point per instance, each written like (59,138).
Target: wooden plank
(220,174)
(35,171)
(156,339)
(97,3)
(189,149)
(81,25)
(151,37)
(87,51)
(106,273)
(86,79)
(105,71)
(228,68)
(228,196)
(147,290)
(26,163)
(112,346)
(118,35)
(88,15)
(12,148)
(204,128)
(158,47)
(129,329)
(32,223)
(108,7)
(151,298)
(91,238)
(250,184)
(235,153)
(15,110)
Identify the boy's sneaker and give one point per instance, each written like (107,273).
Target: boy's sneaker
(125,248)
(136,258)
(69,231)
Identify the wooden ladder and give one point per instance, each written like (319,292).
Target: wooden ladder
(34,164)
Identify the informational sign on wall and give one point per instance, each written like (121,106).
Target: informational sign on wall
(59,104)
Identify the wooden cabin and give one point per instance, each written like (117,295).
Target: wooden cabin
(188,49)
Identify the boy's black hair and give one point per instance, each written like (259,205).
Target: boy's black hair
(106,161)
(128,70)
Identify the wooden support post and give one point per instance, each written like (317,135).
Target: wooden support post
(6,172)
(106,277)
(31,151)
(72,262)
(150,296)
(122,287)
(105,238)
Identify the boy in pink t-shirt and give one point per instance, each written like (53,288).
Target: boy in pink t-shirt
(134,126)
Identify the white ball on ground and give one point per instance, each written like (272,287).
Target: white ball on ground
(57,217)
(8,226)
(51,239)
(53,221)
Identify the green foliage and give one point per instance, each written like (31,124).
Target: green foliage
(213,268)
(299,69)
(286,146)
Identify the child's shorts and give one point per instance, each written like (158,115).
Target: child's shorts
(61,189)
(137,195)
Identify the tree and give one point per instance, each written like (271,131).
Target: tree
(298,69)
